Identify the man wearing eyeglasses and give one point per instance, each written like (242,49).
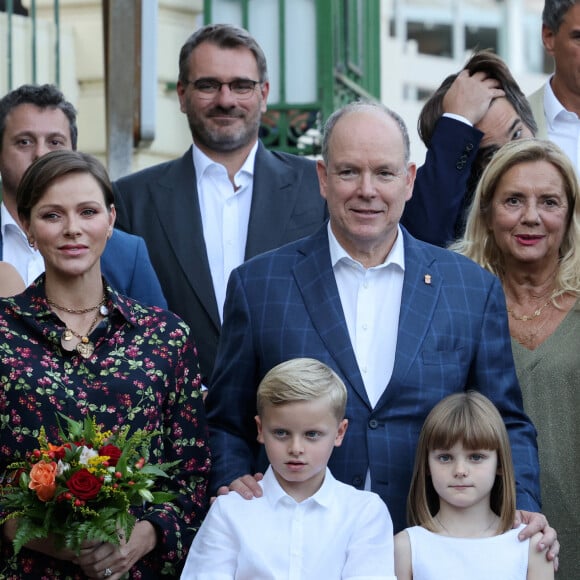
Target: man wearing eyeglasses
(228,198)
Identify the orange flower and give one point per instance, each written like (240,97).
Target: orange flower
(58,451)
(42,480)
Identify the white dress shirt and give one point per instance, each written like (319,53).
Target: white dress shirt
(338,533)
(16,251)
(563,126)
(371,302)
(225,213)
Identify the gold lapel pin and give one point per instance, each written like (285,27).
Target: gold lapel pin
(427,278)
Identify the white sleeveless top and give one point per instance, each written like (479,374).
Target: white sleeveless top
(436,557)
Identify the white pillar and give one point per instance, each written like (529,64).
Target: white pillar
(514,35)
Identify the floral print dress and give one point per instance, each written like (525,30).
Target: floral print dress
(144,372)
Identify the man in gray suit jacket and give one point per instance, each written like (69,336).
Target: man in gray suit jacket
(228,198)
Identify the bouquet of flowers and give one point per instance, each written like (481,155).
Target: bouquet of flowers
(81,488)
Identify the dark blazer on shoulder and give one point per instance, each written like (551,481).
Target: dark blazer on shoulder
(161,204)
(126,266)
(436,212)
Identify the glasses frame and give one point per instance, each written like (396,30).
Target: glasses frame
(218,88)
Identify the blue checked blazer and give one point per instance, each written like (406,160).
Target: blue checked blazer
(453,335)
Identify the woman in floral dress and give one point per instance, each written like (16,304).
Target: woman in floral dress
(70,344)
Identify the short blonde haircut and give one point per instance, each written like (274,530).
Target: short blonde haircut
(478,242)
(473,420)
(302,379)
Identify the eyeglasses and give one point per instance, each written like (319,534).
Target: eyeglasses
(209,88)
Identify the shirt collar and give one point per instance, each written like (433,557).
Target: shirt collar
(552,106)
(7,220)
(274,492)
(202,162)
(339,254)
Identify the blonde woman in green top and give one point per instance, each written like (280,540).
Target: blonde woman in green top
(524,226)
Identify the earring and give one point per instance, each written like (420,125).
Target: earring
(31,242)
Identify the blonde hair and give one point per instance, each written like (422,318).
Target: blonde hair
(302,379)
(473,420)
(478,242)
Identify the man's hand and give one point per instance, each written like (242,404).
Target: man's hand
(471,95)
(247,486)
(538,523)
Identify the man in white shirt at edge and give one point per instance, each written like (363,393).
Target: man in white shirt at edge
(556,105)
(34,120)
(307,524)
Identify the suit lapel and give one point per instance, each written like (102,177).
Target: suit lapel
(421,289)
(315,279)
(273,199)
(178,211)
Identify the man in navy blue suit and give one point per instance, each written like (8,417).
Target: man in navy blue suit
(33,121)
(402,322)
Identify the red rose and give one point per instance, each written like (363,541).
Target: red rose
(84,485)
(112,452)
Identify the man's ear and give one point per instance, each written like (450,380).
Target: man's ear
(410,180)
(548,38)
(322,177)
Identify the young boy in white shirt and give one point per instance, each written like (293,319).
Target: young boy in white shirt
(307,525)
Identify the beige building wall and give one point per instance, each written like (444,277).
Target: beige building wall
(82,69)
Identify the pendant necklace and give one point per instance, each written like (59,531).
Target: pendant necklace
(85,347)
(527,317)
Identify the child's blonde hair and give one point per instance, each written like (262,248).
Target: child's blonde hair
(302,379)
(473,420)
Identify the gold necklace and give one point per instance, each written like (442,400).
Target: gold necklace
(85,347)
(526,317)
(528,339)
(101,305)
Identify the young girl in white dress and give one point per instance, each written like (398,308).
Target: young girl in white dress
(462,501)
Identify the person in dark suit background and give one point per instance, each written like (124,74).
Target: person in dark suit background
(228,198)
(33,121)
(464,122)
(402,322)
